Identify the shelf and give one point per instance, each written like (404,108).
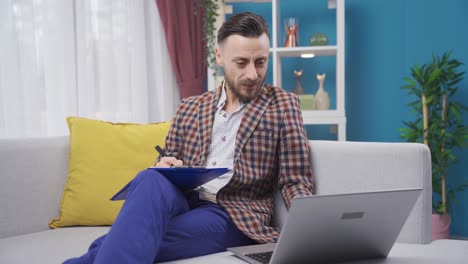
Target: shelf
(298,51)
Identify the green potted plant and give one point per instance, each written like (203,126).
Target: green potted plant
(210,13)
(439,125)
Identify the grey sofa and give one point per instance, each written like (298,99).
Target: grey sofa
(33,173)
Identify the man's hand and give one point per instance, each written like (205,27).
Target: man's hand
(166,162)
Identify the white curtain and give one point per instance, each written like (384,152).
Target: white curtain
(103,59)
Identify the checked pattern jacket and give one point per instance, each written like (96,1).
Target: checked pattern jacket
(271,151)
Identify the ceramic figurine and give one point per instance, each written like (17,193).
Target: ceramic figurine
(298,90)
(322,100)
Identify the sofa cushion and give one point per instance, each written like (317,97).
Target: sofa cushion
(104,157)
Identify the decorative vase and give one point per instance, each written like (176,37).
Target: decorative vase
(307,100)
(291,28)
(319,39)
(298,90)
(322,100)
(440,226)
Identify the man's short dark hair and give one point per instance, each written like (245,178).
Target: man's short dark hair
(246,24)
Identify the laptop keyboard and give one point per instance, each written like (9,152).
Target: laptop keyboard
(263,257)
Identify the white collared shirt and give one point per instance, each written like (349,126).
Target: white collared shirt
(222,146)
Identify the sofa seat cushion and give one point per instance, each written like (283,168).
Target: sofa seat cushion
(51,246)
(225,257)
(58,245)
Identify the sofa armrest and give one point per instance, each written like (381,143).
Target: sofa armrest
(345,167)
(33,174)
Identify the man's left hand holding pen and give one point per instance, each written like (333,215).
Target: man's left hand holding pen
(165,161)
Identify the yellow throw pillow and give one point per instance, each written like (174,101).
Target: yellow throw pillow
(104,157)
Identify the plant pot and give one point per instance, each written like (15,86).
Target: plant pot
(440,226)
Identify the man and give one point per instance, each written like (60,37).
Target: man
(254,129)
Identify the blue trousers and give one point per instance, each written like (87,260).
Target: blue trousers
(159,223)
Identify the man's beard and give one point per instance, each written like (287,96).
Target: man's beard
(237,92)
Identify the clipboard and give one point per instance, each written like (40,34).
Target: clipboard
(186,178)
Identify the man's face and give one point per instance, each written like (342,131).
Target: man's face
(245,63)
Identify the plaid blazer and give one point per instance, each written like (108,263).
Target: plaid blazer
(272,151)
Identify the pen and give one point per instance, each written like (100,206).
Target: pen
(161,151)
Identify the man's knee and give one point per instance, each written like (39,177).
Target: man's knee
(150,176)
(153,184)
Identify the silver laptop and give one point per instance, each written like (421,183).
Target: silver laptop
(337,228)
